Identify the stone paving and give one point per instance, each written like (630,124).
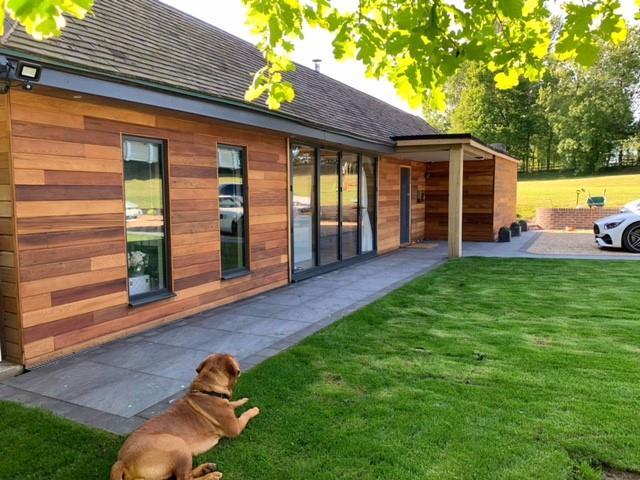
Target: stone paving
(119,385)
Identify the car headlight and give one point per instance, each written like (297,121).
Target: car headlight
(612,225)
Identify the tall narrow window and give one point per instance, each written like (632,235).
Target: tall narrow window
(233,209)
(144,185)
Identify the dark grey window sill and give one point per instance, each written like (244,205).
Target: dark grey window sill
(235,274)
(147,298)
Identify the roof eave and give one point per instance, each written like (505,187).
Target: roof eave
(67,76)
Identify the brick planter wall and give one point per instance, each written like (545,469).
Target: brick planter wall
(578,218)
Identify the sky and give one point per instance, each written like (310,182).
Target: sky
(317,44)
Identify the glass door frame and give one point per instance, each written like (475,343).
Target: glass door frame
(319,269)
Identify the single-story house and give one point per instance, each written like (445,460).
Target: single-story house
(138,186)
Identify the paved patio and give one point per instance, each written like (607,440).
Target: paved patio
(118,386)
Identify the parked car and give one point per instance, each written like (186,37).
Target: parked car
(631,207)
(232,190)
(133,211)
(619,231)
(231,214)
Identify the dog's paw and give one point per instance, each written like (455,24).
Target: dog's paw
(212,476)
(208,468)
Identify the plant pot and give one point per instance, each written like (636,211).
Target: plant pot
(523,226)
(504,236)
(515,230)
(139,285)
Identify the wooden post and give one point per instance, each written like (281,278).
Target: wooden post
(456,166)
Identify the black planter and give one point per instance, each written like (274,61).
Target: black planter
(515,229)
(524,227)
(504,236)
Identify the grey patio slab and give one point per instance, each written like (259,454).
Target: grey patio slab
(137,355)
(118,385)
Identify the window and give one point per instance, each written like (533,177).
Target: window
(145,204)
(233,209)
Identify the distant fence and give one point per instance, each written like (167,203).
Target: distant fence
(578,218)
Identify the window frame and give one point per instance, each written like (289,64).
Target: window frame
(167,292)
(246,269)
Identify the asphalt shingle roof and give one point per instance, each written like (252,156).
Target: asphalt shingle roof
(148,40)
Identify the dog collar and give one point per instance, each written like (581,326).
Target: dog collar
(224,396)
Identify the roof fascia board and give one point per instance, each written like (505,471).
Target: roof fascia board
(89,85)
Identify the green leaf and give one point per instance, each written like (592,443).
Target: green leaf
(507,80)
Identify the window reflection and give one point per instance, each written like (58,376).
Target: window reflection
(329,190)
(145,216)
(349,173)
(303,202)
(231,175)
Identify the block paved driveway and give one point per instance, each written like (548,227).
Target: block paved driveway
(119,385)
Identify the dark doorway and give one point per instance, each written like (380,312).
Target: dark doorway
(405,205)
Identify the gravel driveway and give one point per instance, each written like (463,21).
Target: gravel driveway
(571,243)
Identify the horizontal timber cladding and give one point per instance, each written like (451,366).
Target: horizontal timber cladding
(478,201)
(70,218)
(506,193)
(10,327)
(389,202)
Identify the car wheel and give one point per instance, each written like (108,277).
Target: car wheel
(631,238)
(234,228)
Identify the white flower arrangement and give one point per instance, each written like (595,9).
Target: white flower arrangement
(137,262)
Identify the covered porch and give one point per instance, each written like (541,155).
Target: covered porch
(470,197)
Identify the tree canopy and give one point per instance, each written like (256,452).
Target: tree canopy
(41,19)
(575,118)
(419,44)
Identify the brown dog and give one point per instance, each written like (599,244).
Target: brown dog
(164,446)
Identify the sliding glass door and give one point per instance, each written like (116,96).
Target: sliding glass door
(349,204)
(333,207)
(303,207)
(329,212)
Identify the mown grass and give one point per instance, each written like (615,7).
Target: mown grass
(484,369)
(534,194)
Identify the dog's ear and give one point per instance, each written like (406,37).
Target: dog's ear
(202,364)
(231,366)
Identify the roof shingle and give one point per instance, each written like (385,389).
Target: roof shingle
(159,44)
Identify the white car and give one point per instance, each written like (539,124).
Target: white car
(231,214)
(619,231)
(133,211)
(631,207)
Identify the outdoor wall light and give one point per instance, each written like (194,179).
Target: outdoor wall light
(28,71)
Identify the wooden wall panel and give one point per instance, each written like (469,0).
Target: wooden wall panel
(389,202)
(10,326)
(68,172)
(477,218)
(506,193)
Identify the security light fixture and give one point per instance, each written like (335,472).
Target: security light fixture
(28,71)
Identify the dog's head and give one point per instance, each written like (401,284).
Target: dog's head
(215,371)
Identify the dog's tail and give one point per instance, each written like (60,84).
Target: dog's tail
(117,471)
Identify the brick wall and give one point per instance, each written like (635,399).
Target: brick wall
(578,218)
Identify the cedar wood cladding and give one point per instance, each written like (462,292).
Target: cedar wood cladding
(488,199)
(11,331)
(389,202)
(68,172)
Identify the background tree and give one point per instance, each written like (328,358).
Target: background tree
(511,117)
(418,45)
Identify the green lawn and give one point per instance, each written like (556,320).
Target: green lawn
(532,194)
(484,369)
